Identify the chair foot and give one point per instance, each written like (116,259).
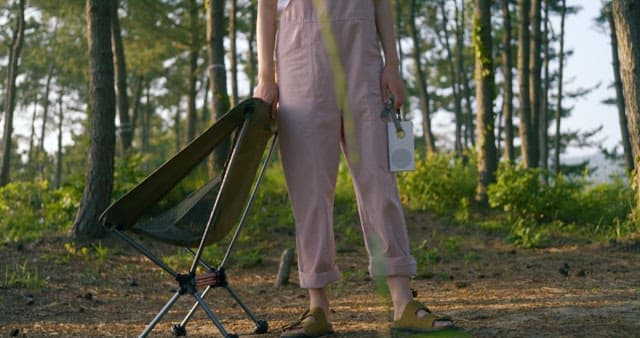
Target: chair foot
(179,330)
(262,326)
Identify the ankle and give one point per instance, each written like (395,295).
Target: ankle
(318,299)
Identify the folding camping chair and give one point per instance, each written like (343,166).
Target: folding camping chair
(207,214)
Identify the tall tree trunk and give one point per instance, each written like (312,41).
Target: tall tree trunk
(421,82)
(135,113)
(507,70)
(32,151)
(398,14)
(544,104)
(194,47)
(485,86)
(217,75)
(253,62)
(399,35)
(523,84)
(620,103)
(15,49)
(557,145)
(40,153)
(454,83)
(206,113)
(176,128)
(99,175)
(626,14)
(57,182)
(233,52)
(535,80)
(146,120)
(120,68)
(463,78)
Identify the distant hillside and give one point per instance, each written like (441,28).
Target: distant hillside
(601,168)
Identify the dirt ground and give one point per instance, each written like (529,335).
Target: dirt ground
(491,289)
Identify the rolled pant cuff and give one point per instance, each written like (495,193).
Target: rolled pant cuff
(392,266)
(313,280)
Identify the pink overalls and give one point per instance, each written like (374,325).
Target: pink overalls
(312,127)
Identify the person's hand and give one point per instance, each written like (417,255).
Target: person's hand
(268,92)
(391,83)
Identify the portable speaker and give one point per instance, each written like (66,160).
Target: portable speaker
(400,146)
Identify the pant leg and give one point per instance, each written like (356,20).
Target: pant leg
(379,205)
(309,140)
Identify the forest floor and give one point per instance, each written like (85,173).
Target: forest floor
(492,289)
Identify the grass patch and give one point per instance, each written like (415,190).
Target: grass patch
(21,276)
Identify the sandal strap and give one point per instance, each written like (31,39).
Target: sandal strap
(298,322)
(413,307)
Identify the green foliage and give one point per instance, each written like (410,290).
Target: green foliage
(20,276)
(441,184)
(30,209)
(534,195)
(525,235)
(604,204)
(426,258)
(538,202)
(128,172)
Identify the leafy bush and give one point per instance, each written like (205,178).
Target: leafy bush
(605,204)
(440,184)
(29,208)
(535,195)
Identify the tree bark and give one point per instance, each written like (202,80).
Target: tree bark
(217,76)
(120,68)
(557,145)
(233,52)
(194,48)
(626,15)
(399,35)
(463,78)
(146,119)
(523,83)
(421,82)
(544,105)
(99,175)
(485,87)
(507,70)
(620,102)
(32,151)
(454,83)
(206,114)
(135,113)
(535,80)
(10,96)
(284,269)
(57,182)
(253,62)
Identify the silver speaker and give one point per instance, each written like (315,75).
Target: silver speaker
(400,146)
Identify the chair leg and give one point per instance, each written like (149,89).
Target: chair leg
(212,316)
(262,326)
(179,328)
(160,314)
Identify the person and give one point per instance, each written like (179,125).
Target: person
(321,65)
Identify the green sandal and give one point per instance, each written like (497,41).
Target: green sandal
(319,327)
(410,324)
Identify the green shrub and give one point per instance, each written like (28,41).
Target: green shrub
(534,195)
(440,184)
(537,201)
(604,204)
(30,209)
